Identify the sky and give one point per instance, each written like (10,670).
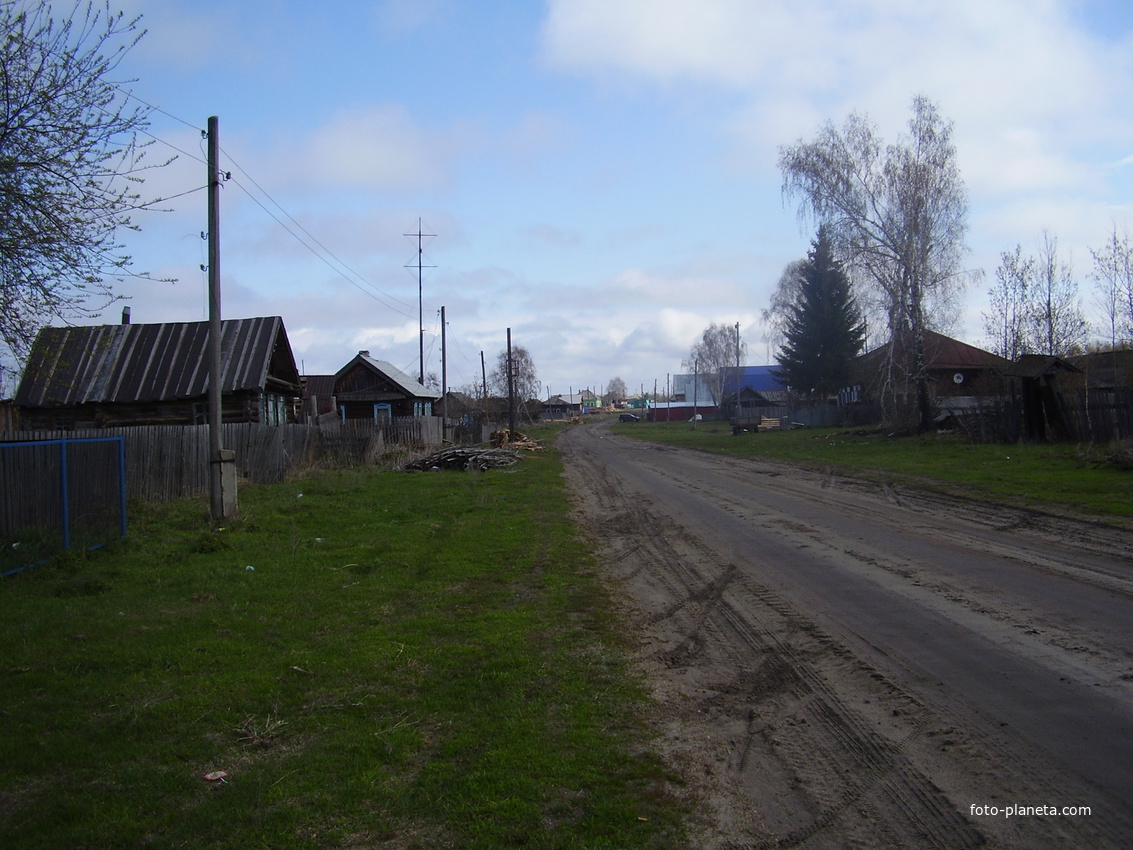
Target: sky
(599,176)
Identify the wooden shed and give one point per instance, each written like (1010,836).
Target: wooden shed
(1044,416)
(157,374)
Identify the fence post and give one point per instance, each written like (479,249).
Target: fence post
(122,481)
(66,496)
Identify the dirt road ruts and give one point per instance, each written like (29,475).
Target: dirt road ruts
(840,663)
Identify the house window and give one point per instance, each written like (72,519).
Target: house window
(273,409)
(382,413)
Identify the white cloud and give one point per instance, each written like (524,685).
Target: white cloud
(399,17)
(1027,88)
(380,148)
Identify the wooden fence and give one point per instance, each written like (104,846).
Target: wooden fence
(171,461)
(1100,416)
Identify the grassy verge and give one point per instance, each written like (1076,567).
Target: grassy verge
(373,659)
(1063,475)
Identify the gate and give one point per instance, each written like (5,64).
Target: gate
(59,494)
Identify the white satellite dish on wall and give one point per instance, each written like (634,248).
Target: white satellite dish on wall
(958,378)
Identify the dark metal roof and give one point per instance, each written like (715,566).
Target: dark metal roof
(147,363)
(942,353)
(1037,365)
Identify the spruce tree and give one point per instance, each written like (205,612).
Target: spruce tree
(824,330)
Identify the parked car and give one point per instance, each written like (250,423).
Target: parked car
(629,417)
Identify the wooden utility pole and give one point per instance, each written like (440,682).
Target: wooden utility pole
(444,379)
(483,377)
(214,302)
(222,462)
(695,387)
(510,389)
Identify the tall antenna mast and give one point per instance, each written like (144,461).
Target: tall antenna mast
(420,296)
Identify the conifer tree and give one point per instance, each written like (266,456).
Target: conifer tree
(824,330)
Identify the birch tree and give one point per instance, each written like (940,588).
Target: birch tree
(523,373)
(897,213)
(1057,325)
(1006,322)
(718,349)
(1113,285)
(1035,307)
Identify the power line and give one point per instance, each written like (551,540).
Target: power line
(323,259)
(154,108)
(358,281)
(313,238)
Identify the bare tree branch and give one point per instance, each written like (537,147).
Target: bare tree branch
(70,163)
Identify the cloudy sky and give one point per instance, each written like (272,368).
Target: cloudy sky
(600,175)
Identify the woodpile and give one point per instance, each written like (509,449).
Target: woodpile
(464,457)
(505,438)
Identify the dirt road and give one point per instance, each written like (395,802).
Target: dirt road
(845,664)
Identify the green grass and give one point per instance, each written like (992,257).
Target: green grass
(373,658)
(1047,475)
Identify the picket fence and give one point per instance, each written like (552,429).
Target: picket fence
(171,461)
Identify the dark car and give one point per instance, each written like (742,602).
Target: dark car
(629,417)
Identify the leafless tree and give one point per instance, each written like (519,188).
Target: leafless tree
(523,370)
(897,213)
(1113,285)
(70,163)
(1035,307)
(1006,323)
(616,390)
(788,293)
(1057,324)
(718,349)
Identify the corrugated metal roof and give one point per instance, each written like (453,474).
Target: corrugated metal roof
(146,363)
(757,378)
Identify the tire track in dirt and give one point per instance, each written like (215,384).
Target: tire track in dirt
(789,738)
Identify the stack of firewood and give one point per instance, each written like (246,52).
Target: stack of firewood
(514,440)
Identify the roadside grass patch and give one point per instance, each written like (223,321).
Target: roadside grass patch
(362,659)
(1059,475)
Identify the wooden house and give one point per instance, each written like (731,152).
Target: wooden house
(318,397)
(572,404)
(157,374)
(957,372)
(366,388)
